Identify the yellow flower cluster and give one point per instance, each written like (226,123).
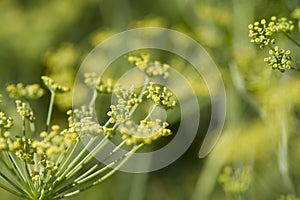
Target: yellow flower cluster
(119,113)
(279,59)
(33,91)
(155,68)
(146,132)
(53,86)
(236,182)
(54,142)
(90,127)
(25,110)
(261,32)
(5,122)
(160,95)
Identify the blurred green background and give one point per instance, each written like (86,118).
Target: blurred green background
(53,37)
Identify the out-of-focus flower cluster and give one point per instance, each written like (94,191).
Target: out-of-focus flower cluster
(236,182)
(33,91)
(94,82)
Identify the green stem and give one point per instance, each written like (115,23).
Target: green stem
(23,126)
(28,177)
(50,109)
(13,191)
(83,177)
(32,128)
(24,182)
(127,156)
(86,159)
(283,162)
(8,180)
(296,61)
(140,95)
(150,112)
(74,166)
(8,167)
(94,97)
(79,182)
(87,175)
(290,38)
(63,168)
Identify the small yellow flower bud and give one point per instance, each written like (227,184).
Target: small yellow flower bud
(43,134)
(6,134)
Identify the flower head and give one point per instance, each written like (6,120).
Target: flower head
(5,121)
(279,59)
(53,86)
(145,132)
(160,95)
(25,110)
(237,181)
(281,24)
(126,99)
(260,32)
(93,128)
(33,91)
(151,69)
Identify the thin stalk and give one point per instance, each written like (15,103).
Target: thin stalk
(127,156)
(13,191)
(50,109)
(23,126)
(76,159)
(290,38)
(66,159)
(94,97)
(151,111)
(9,168)
(140,95)
(86,173)
(87,158)
(71,170)
(32,128)
(296,62)
(28,177)
(294,68)
(17,170)
(8,180)
(283,162)
(80,182)
(79,179)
